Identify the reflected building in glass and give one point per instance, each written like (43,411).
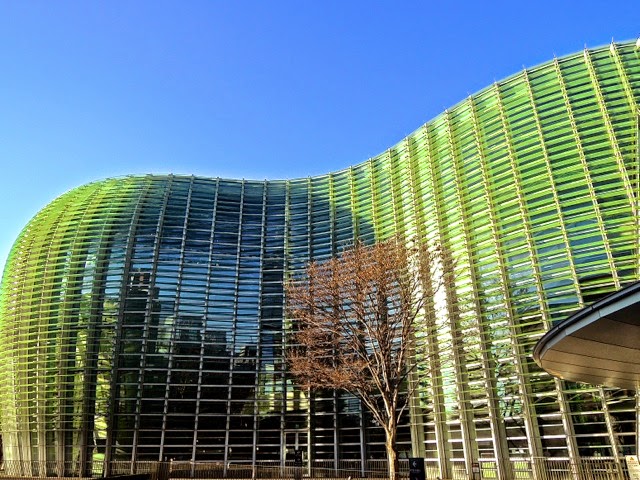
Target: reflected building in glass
(143,317)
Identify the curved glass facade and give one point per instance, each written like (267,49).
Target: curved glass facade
(142,317)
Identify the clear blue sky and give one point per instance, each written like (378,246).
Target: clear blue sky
(248,89)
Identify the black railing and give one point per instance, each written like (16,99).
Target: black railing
(600,468)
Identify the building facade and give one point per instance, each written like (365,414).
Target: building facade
(143,317)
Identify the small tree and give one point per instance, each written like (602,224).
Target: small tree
(354,326)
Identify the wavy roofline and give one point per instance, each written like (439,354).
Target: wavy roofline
(362,163)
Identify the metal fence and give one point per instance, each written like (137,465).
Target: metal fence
(542,468)
(485,469)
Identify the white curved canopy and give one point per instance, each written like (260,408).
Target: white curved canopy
(600,344)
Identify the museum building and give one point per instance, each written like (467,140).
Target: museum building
(143,317)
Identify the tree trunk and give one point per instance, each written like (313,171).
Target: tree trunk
(392,454)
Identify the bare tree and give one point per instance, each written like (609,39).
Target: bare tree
(354,320)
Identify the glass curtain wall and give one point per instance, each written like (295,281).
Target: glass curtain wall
(143,317)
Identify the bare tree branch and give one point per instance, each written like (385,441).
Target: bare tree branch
(355,323)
